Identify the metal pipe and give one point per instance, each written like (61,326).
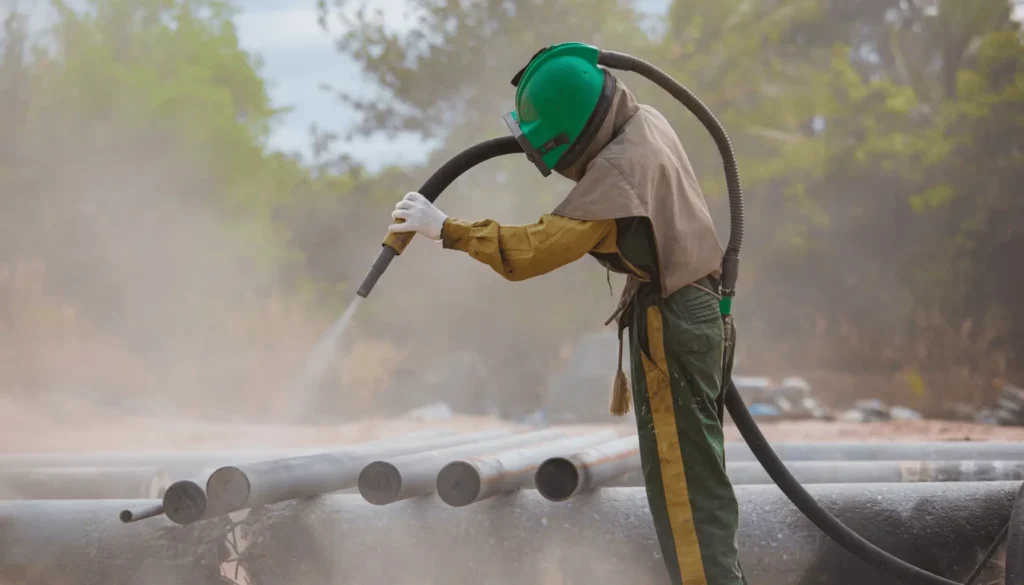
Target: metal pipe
(257,484)
(560,478)
(519,539)
(187,463)
(128,515)
(186,501)
(885,451)
(463,482)
(388,481)
(83,483)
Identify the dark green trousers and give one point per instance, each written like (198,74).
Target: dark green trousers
(677,346)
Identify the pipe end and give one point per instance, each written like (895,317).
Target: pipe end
(184,502)
(380,483)
(228,489)
(459,484)
(129,516)
(557,479)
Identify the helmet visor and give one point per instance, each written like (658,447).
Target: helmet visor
(532,154)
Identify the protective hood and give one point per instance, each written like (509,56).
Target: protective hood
(635,166)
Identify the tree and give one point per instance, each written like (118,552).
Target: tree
(880,216)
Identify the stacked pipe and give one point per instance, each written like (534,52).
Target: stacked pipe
(457,490)
(617,464)
(236,487)
(384,472)
(462,469)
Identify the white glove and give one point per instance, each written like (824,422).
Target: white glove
(419,216)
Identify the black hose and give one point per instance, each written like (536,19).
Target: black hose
(820,517)
(432,189)
(1015,543)
(466,160)
(985,558)
(730,263)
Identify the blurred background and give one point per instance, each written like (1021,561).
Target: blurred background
(191,190)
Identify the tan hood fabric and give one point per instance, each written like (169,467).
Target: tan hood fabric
(636,167)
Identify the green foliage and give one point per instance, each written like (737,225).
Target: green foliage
(907,172)
(136,162)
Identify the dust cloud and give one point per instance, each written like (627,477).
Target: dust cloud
(130,289)
(128,292)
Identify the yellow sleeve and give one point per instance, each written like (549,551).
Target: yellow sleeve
(518,252)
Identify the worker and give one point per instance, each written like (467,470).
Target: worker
(637,208)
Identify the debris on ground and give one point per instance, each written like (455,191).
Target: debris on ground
(874,410)
(902,413)
(790,399)
(1009,409)
(434,411)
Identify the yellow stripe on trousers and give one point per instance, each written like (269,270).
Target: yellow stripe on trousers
(673,476)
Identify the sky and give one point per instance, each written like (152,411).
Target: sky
(298,56)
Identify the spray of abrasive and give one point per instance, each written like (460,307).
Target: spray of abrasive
(320,359)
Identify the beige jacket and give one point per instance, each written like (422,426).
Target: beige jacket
(636,167)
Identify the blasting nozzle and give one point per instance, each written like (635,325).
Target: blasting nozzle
(387,254)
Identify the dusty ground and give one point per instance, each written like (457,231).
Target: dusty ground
(26,426)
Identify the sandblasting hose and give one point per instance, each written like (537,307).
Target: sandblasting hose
(432,189)
(731,261)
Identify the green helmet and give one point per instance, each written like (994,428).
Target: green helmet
(562,98)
